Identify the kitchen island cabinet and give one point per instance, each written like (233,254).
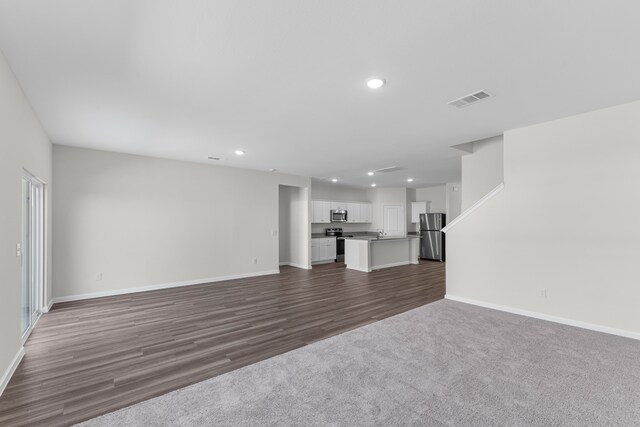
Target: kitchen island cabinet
(372,253)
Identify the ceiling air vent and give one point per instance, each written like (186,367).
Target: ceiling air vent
(389,169)
(470,99)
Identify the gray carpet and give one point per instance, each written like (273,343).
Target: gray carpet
(445,363)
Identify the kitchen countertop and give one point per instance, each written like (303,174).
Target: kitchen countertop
(349,233)
(382,239)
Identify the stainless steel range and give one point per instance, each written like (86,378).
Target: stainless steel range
(340,236)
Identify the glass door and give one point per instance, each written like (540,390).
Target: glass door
(24,253)
(31,251)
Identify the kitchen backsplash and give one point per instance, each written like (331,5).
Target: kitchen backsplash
(319,228)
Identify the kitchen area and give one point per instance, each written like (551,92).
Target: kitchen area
(387,230)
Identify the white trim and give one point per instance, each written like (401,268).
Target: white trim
(27,333)
(473,207)
(323,261)
(550,318)
(403,223)
(161,286)
(393,264)
(293,264)
(6,377)
(47,307)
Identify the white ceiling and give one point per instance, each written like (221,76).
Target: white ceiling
(285,79)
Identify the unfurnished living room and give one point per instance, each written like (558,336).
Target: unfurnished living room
(311,213)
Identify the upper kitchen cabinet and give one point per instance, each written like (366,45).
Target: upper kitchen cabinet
(320,211)
(365,212)
(338,206)
(357,212)
(353,212)
(418,208)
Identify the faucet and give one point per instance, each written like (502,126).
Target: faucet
(380,234)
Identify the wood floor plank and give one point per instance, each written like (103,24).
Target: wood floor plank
(87,358)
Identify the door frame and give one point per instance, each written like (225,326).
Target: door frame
(38,251)
(403,220)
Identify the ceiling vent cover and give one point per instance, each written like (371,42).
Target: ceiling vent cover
(470,99)
(389,169)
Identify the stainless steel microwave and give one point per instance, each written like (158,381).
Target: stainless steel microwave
(338,216)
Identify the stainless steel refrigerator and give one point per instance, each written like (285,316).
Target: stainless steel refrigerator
(432,241)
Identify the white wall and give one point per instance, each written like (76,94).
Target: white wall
(294,226)
(436,194)
(553,226)
(145,221)
(444,198)
(330,191)
(23,146)
(380,196)
(285,195)
(411,197)
(483,170)
(385,196)
(454,200)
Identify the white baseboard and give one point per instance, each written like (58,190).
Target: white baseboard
(324,261)
(6,377)
(47,307)
(27,333)
(161,286)
(541,316)
(364,270)
(393,264)
(293,264)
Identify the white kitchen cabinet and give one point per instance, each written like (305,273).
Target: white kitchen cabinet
(337,205)
(418,208)
(323,249)
(353,212)
(330,249)
(320,211)
(365,212)
(357,212)
(315,250)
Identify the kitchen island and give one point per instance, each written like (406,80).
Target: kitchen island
(373,253)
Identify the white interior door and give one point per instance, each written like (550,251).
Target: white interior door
(393,220)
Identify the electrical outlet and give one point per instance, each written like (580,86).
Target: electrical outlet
(98,277)
(274,233)
(255,260)
(18,249)
(542,293)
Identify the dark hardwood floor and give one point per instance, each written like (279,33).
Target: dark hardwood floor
(87,358)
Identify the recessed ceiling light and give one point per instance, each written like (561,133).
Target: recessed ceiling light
(375,82)
(373,185)
(334,179)
(214,158)
(239,152)
(369,173)
(410,180)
